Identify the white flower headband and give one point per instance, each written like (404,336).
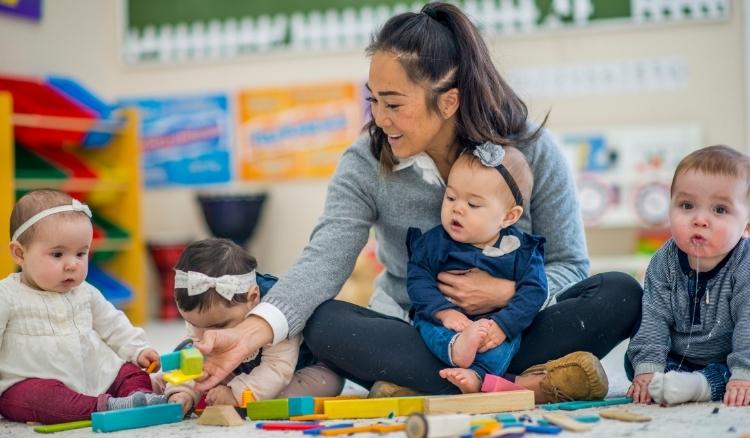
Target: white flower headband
(227,286)
(492,155)
(75,205)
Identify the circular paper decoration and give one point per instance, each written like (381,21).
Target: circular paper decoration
(651,203)
(596,198)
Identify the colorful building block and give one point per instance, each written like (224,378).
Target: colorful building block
(268,409)
(480,403)
(301,406)
(178,377)
(110,421)
(584,404)
(492,383)
(363,408)
(319,401)
(410,405)
(52,428)
(191,361)
(170,361)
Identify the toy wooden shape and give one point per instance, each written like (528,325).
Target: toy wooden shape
(437,426)
(268,409)
(301,406)
(170,361)
(584,404)
(178,377)
(220,415)
(191,361)
(493,383)
(480,403)
(410,405)
(623,415)
(110,421)
(566,422)
(247,397)
(51,428)
(364,408)
(319,401)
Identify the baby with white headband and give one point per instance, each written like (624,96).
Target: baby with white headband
(484,197)
(216,286)
(65,351)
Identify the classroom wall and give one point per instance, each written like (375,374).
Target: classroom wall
(81,38)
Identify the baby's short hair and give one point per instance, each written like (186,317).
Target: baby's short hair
(716,160)
(213,257)
(32,203)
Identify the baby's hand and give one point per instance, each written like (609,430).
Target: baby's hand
(453,319)
(220,395)
(183,398)
(737,393)
(147,357)
(639,388)
(495,336)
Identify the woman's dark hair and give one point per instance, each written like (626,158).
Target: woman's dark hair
(212,257)
(439,48)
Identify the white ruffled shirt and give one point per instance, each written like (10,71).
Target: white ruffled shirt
(78,338)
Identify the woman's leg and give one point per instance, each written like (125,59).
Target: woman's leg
(45,401)
(594,315)
(365,346)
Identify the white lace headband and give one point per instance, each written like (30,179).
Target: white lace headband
(227,286)
(75,205)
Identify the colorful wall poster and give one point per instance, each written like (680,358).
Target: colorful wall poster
(186,140)
(298,131)
(28,9)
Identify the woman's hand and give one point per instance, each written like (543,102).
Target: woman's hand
(737,393)
(225,349)
(453,319)
(639,388)
(476,291)
(495,336)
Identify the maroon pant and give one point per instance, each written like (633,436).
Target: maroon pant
(49,401)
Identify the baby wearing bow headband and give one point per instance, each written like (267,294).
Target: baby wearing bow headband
(217,286)
(66,351)
(484,198)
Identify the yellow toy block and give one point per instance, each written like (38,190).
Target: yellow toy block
(320,400)
(480,403)
(364,408)
(178,377)
(191,361)
(410,405)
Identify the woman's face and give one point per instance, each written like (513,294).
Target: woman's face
(399,108)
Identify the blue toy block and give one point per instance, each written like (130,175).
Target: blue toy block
(170,361)
(110,421)
(301,406)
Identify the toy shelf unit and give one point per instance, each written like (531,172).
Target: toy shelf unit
(54,134)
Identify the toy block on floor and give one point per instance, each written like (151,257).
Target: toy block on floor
(170,361)
(320,400)
(52,428)
(438,426)
(363,408)
(410,405)
(480,403)
(301,406)
(566,422)
(584,404)
(110,421)
(191,361)
(268,409)
(623,415)
(220,415)
(178,377)
(493,383)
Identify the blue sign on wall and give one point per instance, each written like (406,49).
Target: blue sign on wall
(186,140)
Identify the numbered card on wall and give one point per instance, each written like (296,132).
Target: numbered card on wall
(298,131)
(186,140)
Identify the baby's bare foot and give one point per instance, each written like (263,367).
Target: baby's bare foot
(466,380)
(464,349)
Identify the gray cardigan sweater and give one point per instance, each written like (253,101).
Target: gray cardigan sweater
(720,332)
(360,197)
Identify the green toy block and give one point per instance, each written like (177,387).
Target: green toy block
(191,361)
(268,409)
(110,421)
(301,406)
(52,428)
(574,405)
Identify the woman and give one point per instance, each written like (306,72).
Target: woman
(434,93)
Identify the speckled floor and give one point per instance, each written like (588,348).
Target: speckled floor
(692,420)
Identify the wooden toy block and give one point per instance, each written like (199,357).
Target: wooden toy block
(247,397)
(110,421)
(151,367)
(566,422)
(584,404)
(268,409)
(346,430)
(480,403)
(410,405)
(388,428)
(438,426)
(364,408)
(332,426)
(52,428)
(301,406)
(311,417)
(290,426)
(170,361)
(220,415)
(544,430)
(581,418)
(487,429)
(623,415)
(506,418)
(492,383)
(178,377)
(191,361)
(320,400)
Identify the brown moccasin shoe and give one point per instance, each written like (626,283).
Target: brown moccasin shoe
(575,376)
(381,389)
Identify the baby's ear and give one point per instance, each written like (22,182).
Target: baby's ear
(17,252)
(253,295)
